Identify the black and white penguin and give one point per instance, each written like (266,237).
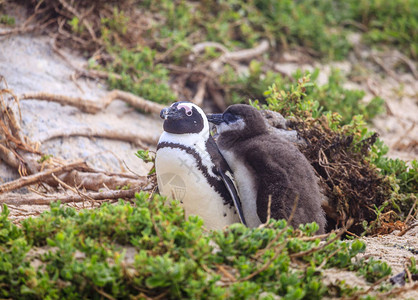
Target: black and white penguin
(267,165)
(191,169)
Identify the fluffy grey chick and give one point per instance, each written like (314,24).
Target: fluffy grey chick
(265,164)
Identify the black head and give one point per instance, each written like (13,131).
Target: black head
(183,117)
(239,121)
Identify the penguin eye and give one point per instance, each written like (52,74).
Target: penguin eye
(189,113)
(229,118)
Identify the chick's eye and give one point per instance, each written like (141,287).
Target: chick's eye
(229,118)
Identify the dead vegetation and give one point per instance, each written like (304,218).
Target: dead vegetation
(49,16)
(53,178)
(353,187)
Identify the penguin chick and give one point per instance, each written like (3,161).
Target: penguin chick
(267,165)
(191,169)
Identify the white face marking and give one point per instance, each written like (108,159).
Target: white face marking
(196,141)
(247,188)
(238,125)
(187,107)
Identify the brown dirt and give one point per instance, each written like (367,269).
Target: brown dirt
(393,249)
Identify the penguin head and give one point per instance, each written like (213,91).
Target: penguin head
(183,118)
(239,121)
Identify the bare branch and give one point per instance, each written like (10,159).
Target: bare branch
(42,176)
(18,199)
(93,107)
(139,140)
(84,105)
(9,157)
(247,53)
(202,46)
(200,94)
(96,181)
(244,54)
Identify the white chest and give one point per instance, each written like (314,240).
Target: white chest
(247,188)
(179,178)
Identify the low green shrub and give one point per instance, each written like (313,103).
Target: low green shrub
(148,249)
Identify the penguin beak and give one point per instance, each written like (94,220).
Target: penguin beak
(164,113)
(215,118)
(170,112)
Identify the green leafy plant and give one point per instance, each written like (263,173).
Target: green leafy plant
(140,75)
(318,99)
(7,20)
(45,158)
(146,157)
(76,26)
(374,270)
(150,249)
(389,22)
(412,266)
(348,103)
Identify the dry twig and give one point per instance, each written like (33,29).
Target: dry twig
(247,54)
(407,229)
(226,273)
(9,157)
(200,47)
(93,107)
(136,139)
(244,54)
(200,94)
(410,214)
(39,177)
(81,18)
(17,200)
(409,63)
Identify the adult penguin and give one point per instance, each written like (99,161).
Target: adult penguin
(191,169)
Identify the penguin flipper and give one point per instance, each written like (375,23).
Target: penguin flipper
(234,194)
(222,168)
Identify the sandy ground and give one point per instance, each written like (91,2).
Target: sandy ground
(393,249)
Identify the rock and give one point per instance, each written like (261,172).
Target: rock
(29,64)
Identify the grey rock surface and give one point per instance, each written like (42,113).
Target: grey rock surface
(29,64)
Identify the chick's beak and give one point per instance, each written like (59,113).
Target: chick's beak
(215,118)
